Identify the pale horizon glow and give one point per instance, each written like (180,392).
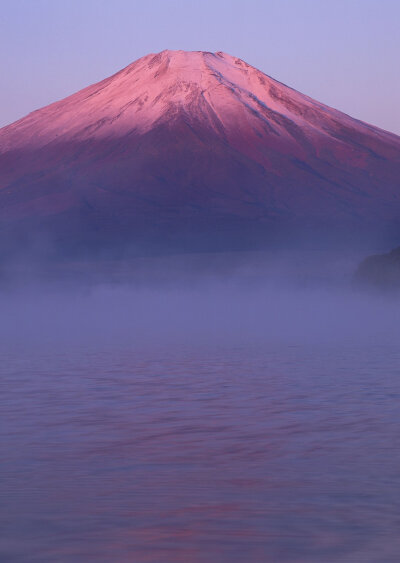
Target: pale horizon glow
(343,53)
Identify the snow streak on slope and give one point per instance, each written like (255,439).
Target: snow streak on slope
(222,89)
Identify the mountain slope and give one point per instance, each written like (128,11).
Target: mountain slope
(193,151)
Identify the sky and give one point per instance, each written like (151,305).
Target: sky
(344,53)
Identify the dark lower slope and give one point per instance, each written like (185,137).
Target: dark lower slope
(183,187)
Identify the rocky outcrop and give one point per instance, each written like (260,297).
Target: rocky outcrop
(380,271)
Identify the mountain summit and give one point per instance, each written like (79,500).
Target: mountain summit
(194,151)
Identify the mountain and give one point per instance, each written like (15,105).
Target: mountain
(194,151)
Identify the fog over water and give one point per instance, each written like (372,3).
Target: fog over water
(219,414)
(215,314)
(194,300)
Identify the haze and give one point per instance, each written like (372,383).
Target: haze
(245,299)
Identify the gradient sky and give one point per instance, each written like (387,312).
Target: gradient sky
(345,53)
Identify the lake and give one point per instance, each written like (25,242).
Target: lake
(280,453)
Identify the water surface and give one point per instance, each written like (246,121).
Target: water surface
(200,452)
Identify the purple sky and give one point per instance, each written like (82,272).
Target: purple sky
(344,53)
